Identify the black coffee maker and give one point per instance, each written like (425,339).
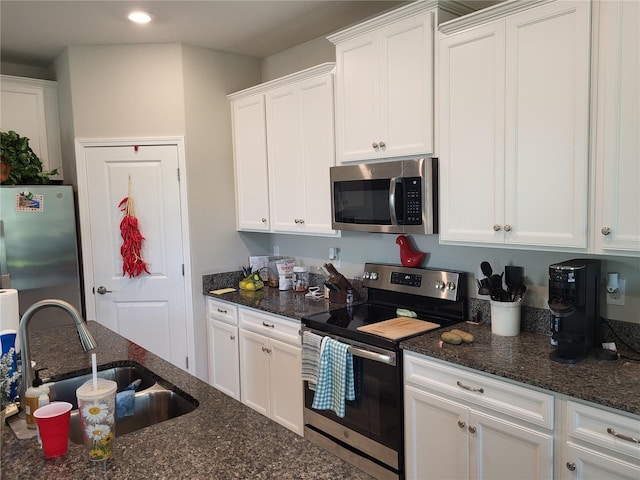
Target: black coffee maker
(574,301)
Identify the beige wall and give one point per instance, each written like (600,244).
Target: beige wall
(215,245)
(308,54)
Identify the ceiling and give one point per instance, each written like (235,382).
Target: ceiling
(34,33)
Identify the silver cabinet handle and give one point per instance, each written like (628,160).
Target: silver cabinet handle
(375,145)
(222,310)
(507,228)
(298,220)
(471,389)
(571,466)
(461,424)
(301,220)
(270,325)
(382,144)
(606,231)
(621,436)
(264,220)
(102,290)
(497,228)
(266,350)
(472,429)
(232,337)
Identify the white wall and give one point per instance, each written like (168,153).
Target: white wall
(209,76)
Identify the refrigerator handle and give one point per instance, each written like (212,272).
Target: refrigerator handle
(5,278)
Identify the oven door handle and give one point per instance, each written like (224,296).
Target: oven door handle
(376,357)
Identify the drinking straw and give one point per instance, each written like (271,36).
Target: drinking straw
(94,370)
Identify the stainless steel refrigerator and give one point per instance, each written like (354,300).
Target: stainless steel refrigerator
(39,248)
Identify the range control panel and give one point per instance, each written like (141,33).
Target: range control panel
(445,284)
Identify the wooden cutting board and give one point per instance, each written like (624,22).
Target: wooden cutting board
(398,327)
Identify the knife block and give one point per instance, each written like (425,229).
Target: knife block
(338,297)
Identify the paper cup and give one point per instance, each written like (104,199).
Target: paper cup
(53,424)
(97,410)
(505,318)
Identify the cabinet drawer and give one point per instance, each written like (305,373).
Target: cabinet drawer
(601,427)
(280,328)
(480,389)
(223,311)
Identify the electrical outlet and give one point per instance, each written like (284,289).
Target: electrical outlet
(276,250)
(617,298)
(334,256)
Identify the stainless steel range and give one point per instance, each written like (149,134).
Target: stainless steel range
(371,433)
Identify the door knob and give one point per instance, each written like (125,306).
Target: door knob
(102,290)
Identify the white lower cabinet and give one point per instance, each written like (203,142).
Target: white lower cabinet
(271,367)
(223,351)
(600,444)
(459,424)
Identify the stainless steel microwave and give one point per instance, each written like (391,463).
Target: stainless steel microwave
(388,197)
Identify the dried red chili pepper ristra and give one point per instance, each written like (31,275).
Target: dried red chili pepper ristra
(131,249)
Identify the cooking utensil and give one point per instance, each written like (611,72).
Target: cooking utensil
(486,269)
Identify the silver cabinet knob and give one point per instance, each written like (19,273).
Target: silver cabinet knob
(264,220)
(232,337)
(102,290)
(507,228)
(461,424)
(497,228)
(382,144)
(606,231)
(375,145)
(472,429)
(298,220)
(571,466)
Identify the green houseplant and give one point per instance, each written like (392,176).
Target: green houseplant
(19,163)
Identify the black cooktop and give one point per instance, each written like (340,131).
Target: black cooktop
(344,322)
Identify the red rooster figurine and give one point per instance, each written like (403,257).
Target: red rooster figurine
(408,255)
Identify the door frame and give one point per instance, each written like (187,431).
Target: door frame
(81,144)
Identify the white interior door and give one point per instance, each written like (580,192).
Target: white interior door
(149,310)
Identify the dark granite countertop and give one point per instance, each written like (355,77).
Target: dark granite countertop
(525,358)
(221,439)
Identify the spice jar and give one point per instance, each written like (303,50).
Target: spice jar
(300,279)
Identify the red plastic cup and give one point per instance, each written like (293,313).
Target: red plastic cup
(53,425)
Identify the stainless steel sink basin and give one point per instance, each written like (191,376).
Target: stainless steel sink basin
(155,399)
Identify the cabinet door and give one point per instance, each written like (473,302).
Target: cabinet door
(502,449)
(357,99)
(546,127)
(250,161)
(471,135)
(254,371)
(224,359)
(406,86)
(435,437)
(316,100)
(617,226)
(301,151)
(285,374)
(587,464)
(286,158)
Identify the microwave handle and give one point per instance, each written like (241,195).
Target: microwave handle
(392,200)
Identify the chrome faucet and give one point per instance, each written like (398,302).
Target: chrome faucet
(87,340)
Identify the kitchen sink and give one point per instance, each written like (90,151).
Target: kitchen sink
(156,400)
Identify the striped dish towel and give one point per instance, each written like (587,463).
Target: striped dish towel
(335,378)
(310,357)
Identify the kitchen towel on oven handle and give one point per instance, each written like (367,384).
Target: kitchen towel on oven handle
(335,378)
(311,349)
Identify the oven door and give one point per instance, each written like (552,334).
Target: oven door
(373,422)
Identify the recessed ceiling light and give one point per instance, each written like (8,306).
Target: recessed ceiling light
(139,17)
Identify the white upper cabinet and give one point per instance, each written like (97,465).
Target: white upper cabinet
(301,151)
(30,108)
(514,97)
(384,84)
(617,129)
(283,149)
(250,162)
